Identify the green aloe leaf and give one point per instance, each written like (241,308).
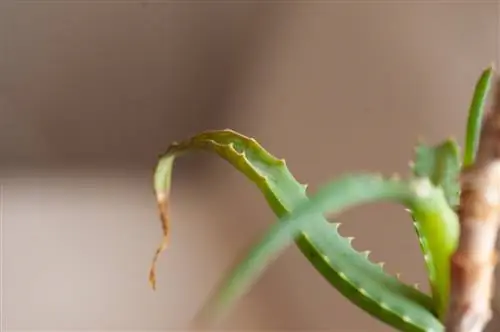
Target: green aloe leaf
(476,114)
(364,283)
(441,164)
(425,200)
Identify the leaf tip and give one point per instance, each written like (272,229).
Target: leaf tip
(162,201)
(450,139)
(152,278)
(491,67)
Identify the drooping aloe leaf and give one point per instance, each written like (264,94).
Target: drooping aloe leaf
(350,272)
(476,114)
(270,174)
(441,164)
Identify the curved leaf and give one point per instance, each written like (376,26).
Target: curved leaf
(476,114)
(400,309)
(350,272)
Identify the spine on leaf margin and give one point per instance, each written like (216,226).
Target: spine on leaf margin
(364,283)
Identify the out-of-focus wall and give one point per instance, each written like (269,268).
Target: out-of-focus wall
(91,92)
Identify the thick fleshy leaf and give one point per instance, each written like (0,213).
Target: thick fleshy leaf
(476,114)
(441,164)
(401,309)
(364,283)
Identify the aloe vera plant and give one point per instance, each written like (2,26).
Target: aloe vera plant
(430,193)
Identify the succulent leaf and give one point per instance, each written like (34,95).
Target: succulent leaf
(382,296)
(438,240)
(476,114)
(441,164)
(364,283)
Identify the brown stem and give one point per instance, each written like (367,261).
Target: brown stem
(474,261)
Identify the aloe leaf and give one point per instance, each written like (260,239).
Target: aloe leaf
(476,114)
(270,174)
(441,164)
(364,283)
(399,308)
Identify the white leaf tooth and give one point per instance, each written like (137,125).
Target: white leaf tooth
(398,276)
(422,188)
(381,264)
(416,286)
(350,239)
(336,225)
(384,306)
(366,253)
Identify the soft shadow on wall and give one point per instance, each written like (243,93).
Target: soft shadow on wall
(110,85)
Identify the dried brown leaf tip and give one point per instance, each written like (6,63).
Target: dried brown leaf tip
(474,261)
(162,202)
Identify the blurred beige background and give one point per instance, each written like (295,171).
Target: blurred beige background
(91,92)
